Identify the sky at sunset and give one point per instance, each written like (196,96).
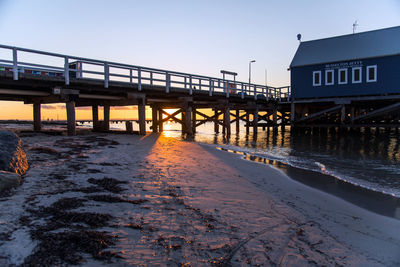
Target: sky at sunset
(199,37)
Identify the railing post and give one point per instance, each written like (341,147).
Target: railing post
(267,92)
(190,85)
(255,92)
(106,74)
(151,78)
(199,84)
(130,75)
(66,70)
(280,94)
(139,79)
(210,92)
(242,87)
(15,64)
(167,82)
(185,82)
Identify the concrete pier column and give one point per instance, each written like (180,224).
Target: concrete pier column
(95,115)
(106,112)
(216,125)
(160,120)
(71,129)
(227,120)
(36,117)
(187,122)
(255,120)
(237,121)
(142,117)
(154,118)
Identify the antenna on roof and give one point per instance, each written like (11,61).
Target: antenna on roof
(299,37)
(355,26)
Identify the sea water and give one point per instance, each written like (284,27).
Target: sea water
(367,158)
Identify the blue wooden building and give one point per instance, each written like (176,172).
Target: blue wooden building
(361,64)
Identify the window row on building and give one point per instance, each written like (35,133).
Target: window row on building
(342,75)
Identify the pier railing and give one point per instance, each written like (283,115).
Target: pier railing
(22,60)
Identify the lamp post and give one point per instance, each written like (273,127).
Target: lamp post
(252,61)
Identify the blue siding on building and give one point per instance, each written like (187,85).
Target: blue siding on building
(388,79)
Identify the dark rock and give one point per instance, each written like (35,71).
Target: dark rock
(12,155)
(9,180)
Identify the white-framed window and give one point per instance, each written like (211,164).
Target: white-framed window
(356,75)
(329,79)
(342,76)
(317,78)
(372,74)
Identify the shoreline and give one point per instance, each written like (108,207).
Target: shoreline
(372,200)
(157,200)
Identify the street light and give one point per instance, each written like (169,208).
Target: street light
(252,61)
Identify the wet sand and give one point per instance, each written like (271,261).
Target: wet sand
(155,201)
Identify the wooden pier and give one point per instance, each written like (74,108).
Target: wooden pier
(197,99)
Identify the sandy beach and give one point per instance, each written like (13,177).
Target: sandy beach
(128,200)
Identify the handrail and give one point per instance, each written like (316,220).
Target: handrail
(142,75)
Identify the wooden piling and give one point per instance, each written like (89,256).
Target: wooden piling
(95,117)
(194,121)
(247,121)
(106,113)
(237,122)
(70,106)
(142,117)
(342,114)
(187,122)
(227,121)
(160,120)
(154,118)
(255,121)
(216,125)
(36,117)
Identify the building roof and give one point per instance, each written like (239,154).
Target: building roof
(377,43)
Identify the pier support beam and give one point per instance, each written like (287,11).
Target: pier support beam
(160,121)
(142,117)
(237,121)
(227,121)
(216,125)
(36,117)
(292,112)
(187,120)
(194,121)
(255,121)
(275,116)
(70,106)
(106,112)
(95,115)
(154,118)
(343,114)
(247,122)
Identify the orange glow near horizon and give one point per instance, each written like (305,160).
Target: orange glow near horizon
(13,110)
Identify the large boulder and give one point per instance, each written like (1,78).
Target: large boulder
(12,155)
(8,180)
